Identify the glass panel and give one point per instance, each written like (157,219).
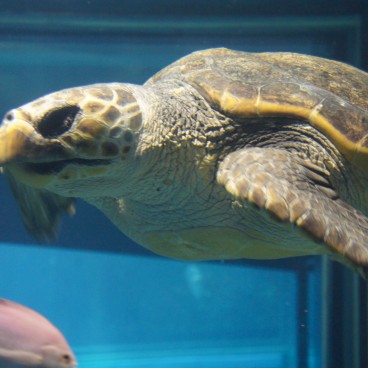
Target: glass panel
(134,311)
(123,310)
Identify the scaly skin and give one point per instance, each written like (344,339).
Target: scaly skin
(181,212)
(181,171)
(175,210)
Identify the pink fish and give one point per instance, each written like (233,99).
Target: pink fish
(28,339)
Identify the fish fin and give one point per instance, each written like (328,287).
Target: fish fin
(25,358)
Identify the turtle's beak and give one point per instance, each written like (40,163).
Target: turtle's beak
(14,138)
(20,142)
(35,151)
(20,145)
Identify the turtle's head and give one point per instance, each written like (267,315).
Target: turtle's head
(72,136)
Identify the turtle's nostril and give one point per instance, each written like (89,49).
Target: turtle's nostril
(9,116)
(58,121)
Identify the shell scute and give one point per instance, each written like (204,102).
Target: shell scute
(329,95)
(234,98)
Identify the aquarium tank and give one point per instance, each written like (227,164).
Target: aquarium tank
(118,304)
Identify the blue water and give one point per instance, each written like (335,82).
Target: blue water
(137,311)
(118,305)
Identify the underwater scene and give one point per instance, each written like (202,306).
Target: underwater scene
(102,266)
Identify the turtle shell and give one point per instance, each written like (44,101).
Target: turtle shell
(330,95)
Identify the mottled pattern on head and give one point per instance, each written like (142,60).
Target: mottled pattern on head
(97,121)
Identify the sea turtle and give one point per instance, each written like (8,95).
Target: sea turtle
(221,155)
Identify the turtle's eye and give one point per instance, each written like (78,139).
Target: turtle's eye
(58,121)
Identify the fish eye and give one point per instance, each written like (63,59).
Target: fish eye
(66,358)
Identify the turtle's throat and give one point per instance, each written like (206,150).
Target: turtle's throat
(18,171)
(41,174)
(54,167)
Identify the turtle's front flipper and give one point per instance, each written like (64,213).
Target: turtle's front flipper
(41,210)
(297,191)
